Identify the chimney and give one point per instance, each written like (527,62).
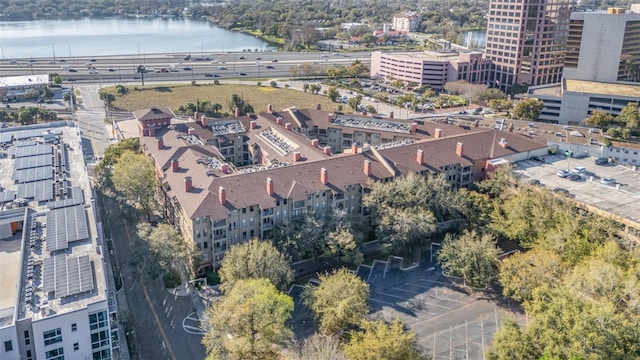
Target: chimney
(391,115)
(460,149)
(188,183)
(437,134)
(269,186)
(324,176)
(222,195)
(330,117)
(224,168)
(270,109)
(367,167)
(175,165)
(191,131)
(203,120)
(327,150)
(236,113)
(315,143)
(414,127)
(253,124)
(288,126)
(354,148)
(279,120)
(503,142)
(319,107)
(420,156)
(160,143)
(296,156)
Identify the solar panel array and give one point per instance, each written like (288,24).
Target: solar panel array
(7,196)
(65,225)
(6,138)
(28,134)
(33,161)
(32,150)
(37,190)
(33,174)
(76,198)
(67,275)
(24,143)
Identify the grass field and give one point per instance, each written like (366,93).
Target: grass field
(259,97)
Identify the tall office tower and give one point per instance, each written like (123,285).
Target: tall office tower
(526,40)
(603,46)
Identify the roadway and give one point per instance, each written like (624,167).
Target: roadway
(123,69)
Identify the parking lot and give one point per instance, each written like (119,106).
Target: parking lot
(450,321)
(621,198)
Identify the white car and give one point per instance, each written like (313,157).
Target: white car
(580,170)
(608,181)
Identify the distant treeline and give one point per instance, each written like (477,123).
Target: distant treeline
(70,9)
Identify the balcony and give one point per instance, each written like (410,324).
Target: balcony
(220,236)
(219,223)
(267,212)
(266,225)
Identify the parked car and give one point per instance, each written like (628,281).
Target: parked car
(601,161)
(608,181)
(574,177)
(580,170)
(563,173)
(560,191)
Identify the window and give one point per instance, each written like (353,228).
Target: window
(52,336)
(104,354)
(29,355)
(26,334)
(74,327)
(55,354)
(8,346)
(205,244)
(76,346)
(98,320)
(100,339)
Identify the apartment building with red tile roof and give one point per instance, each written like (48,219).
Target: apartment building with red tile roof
(281,176)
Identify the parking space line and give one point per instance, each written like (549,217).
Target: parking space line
(381,301)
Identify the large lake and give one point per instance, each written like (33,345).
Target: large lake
(90,37)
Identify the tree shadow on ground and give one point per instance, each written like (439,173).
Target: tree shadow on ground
(163,89)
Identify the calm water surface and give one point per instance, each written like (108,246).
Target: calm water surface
(88,37)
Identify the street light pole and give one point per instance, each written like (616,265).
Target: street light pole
(53,49)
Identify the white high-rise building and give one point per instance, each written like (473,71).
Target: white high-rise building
(54,300)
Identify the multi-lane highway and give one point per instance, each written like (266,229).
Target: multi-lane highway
(174,67)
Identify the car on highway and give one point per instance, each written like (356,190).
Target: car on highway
(258,59)
(211,75)
(186,69)
(112,70)
(222,68)
(72,70)
(608,181)
(173,70)
(274,60)
(164,70)
(93,60)
(136,77)
(325,55)
(243,74)
(601,161)
(93,72)
(563,173)
(270,67)
(62,60)
(241,58)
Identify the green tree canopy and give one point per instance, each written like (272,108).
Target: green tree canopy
(528,109)
(252,260)
(379,340)
(599,118)
(340,300)
(249,323)
(135,179)
(472,256)
(630,115)
(168,247)
(522,273)
(320,347)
